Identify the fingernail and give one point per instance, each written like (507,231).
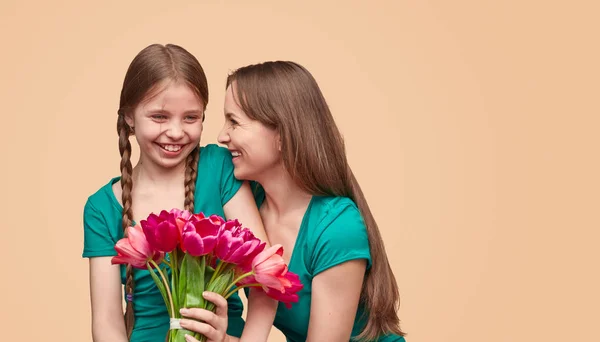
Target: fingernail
(188,338)
(183,322)
(205,293)
(183,311)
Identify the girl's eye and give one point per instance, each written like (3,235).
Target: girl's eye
(191,118)
(159,117)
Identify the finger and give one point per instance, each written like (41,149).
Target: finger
(199,327)
(219,301)
(200,315)
(190,338)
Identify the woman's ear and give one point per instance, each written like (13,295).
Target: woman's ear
(278,137)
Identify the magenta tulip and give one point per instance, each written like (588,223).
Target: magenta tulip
(200,233)
(135,249)
(237,245)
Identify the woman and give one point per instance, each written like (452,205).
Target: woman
(282,136)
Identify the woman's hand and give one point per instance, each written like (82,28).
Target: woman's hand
(212,325)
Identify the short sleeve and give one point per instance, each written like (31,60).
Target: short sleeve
(97,240)
(228,183)
(343,238)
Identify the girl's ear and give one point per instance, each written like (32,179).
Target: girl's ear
(129,120)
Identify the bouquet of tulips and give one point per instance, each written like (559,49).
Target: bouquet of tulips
(204,253)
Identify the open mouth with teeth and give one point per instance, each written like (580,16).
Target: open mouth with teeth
(171,147)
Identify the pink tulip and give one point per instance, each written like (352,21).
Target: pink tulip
(161,231)
(135,249)
(237,245)
(199,234)
(269,269)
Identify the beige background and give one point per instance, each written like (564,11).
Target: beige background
(471,125)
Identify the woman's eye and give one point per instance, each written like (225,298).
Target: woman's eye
(233,122)
(191,118)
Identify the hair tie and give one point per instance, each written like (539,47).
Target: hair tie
(129,297)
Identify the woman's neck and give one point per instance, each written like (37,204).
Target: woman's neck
(283,195)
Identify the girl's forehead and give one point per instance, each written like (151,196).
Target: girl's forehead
(172,96)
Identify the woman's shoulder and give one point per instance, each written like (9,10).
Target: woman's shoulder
(335,214)
(334,207)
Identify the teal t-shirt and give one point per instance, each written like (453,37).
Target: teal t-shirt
(332,232)
(215,186)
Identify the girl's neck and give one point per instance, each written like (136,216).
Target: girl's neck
(149,175)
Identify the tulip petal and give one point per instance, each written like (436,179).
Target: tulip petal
(193,244)
(123,247)
(138,241)
(262,256)
(166,236)
(267,280)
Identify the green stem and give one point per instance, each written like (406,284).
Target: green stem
(174,263)
(217,270)
(167,287)
(230,293)
(238,280)
(175,279)
(227,267)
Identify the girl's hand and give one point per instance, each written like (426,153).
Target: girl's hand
(212,325)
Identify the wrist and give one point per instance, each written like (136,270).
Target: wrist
(229,338)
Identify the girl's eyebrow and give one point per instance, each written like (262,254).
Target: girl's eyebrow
(164,111)
(193,111)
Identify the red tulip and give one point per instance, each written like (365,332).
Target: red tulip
(135,249)
(161,231)
(290,295)
(181,219)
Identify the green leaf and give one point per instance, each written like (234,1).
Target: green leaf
(161,288)
(194,284)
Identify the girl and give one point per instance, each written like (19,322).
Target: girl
(282,135)
(163,100)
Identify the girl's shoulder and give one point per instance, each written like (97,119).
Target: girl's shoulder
(105,199)
(214,151)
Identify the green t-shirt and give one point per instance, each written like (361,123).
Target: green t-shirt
(332,232)
(215,186)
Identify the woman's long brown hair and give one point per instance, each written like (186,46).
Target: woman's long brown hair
(286,97)
(152,65)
